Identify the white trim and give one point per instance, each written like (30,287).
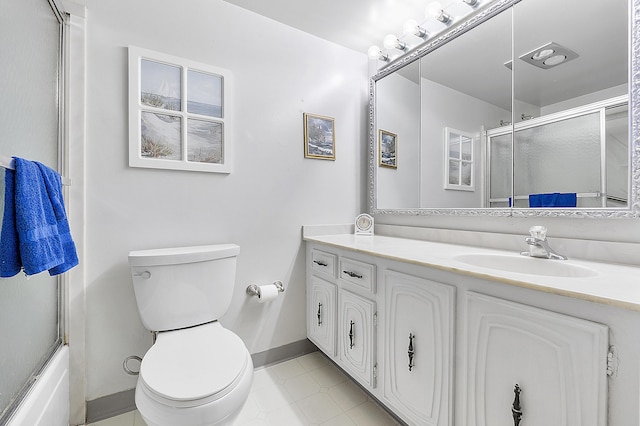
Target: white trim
(73,282)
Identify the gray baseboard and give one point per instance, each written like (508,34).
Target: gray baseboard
(283,353)
(111,405)
(123,402)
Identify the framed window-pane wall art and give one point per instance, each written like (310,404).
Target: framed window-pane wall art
(179,114)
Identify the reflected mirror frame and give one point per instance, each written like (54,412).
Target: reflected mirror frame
(633,208)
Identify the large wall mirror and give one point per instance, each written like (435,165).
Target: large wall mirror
(523,109)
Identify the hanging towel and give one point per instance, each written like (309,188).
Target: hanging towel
(35,232)
(555,199)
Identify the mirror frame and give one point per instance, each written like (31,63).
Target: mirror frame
(633,206)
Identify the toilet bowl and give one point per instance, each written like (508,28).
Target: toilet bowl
(187,379)
(197,373)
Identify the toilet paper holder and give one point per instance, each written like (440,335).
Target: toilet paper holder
(254,290)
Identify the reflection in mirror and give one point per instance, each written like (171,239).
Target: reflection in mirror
(536,70)
(464,86)
(570,83)
(399,114)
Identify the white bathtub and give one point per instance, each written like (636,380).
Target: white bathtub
(47,403)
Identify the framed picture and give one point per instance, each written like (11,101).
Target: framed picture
(319,137)
(387,149)
(179,114)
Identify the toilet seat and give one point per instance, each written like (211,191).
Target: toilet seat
(194,366)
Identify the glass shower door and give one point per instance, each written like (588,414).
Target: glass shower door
(30,51)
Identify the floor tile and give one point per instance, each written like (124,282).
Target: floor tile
(287,415)
(347,395)
(138,420)
(369,414)
(313,361)
(328,376)
(271,397)
(249,412)
(263,377)
(319,407)
(287,369)
(302,386)
(339,420)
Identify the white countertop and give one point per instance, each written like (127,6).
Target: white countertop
(615,285)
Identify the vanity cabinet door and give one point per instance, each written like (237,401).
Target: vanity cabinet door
(321,315)
(356,336)
(528,365)
(418,348)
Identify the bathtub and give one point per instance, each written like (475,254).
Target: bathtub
(47,402)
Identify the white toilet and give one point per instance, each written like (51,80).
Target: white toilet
(197,372)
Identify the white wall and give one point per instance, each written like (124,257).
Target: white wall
(279,73)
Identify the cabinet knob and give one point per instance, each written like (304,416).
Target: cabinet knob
(516,409)
(319,314)
(411,352)
(351,335)
(320,263)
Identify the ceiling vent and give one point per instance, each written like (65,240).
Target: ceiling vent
(548,56)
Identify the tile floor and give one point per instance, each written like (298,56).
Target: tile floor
(308,390)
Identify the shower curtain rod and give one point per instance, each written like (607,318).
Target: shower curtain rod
(8,163)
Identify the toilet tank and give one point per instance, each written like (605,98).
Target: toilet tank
(185,286)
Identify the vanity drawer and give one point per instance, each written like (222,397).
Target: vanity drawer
(361,274)
(323,262)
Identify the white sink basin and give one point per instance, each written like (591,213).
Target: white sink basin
(526,265)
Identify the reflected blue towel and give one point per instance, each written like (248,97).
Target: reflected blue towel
(555,199)
(35,232)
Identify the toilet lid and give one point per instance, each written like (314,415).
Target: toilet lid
(193,363)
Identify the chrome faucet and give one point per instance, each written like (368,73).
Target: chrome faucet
(539,246)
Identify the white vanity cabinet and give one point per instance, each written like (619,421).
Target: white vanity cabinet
(357,336)
(449,344)
(342,312)
(418,343)
(531,364)
(321,314)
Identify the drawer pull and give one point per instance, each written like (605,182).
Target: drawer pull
(516,409)
(411,352)
(319,314)
(320,263)
(353,274)
(351,335)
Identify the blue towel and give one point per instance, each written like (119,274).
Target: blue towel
(35,232)
(555,199)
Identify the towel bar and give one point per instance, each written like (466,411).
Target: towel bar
(8,163)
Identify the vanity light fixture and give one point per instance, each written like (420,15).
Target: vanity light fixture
(435,10)
(391,42)
(411,27)
(374,52)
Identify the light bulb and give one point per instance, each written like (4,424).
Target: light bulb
(374,52)
(412,27)
(434,10)
(392,42)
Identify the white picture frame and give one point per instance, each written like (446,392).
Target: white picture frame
(179,113)
(459,168)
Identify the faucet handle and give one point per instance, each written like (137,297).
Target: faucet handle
(539,232)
